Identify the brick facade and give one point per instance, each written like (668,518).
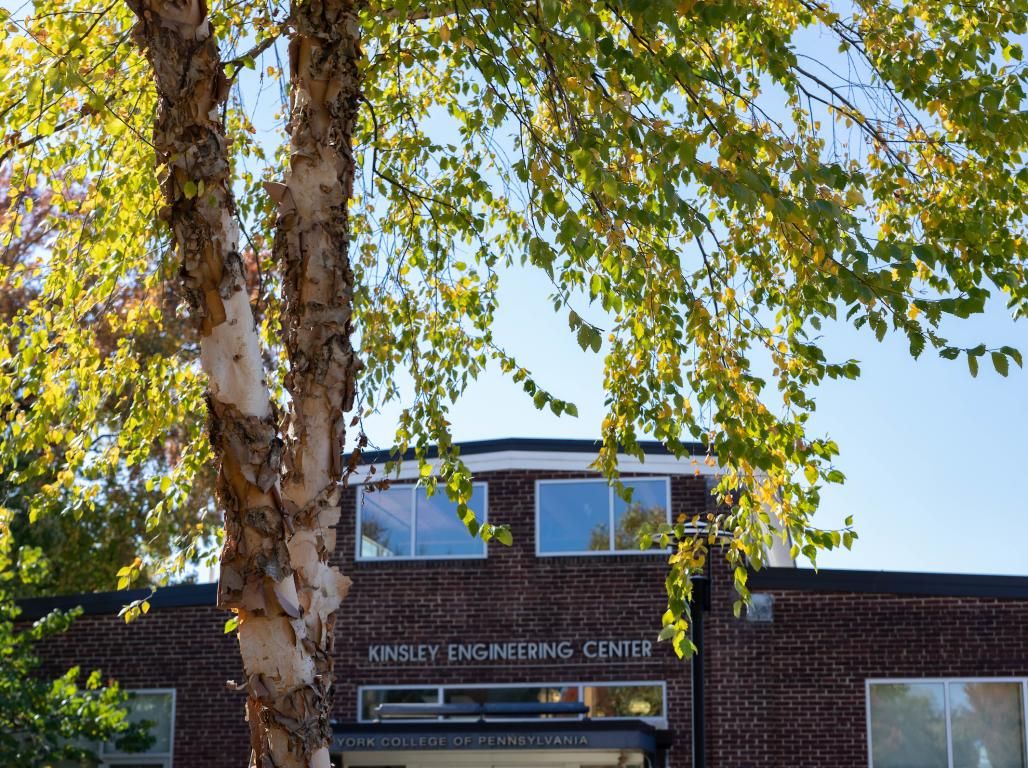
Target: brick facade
(181,648)
(789,693)
(511,596)
(797,684)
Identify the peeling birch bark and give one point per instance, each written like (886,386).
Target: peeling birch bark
(312,250)
(285,610)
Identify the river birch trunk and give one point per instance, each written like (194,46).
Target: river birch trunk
(280,497)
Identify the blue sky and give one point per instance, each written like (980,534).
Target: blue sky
(933,457)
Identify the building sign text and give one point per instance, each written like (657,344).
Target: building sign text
(462,653)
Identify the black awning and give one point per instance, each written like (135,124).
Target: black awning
(549,734)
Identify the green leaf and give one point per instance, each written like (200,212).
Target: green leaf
(999,362)
(583,337)
(667,632)
(683,645)
(1013,353)
(972,364)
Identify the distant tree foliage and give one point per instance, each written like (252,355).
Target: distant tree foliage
(77,528)
(56,722)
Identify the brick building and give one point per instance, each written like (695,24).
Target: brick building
(542,654)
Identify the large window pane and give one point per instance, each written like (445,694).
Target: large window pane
(372,697)
(155,708)
(386,523)
(440,532)
(519,695)
(574,517)
(908,725)
(526,695)
(625,700)
(988,725)
(647,510)
(645,700)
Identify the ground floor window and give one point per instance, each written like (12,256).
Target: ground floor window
(155,706)
(636,700)
(956,723)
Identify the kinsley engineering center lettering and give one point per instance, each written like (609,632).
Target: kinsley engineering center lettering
(403,653)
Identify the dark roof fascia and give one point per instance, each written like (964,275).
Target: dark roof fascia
(528,444)
(98,603)
(890,582)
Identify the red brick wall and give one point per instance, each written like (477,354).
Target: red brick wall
(181,648)
(789,694)
(511,596)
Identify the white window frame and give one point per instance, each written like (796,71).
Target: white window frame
(610,517)
(946,683)
(483,516)
(659,722)
(164,759)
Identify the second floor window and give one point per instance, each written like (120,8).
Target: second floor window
(404,522)
(589,517)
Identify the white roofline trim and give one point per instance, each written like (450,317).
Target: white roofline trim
(562,461)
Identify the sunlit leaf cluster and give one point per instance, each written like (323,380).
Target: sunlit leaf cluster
(711,187)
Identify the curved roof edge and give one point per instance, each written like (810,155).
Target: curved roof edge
(528,445)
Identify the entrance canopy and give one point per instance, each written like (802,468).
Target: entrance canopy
(536,743)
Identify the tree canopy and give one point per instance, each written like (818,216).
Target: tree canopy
(70,540)
(709,185)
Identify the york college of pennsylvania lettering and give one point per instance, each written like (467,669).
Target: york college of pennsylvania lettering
(457,653)
(464,741)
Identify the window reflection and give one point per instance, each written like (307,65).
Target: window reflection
(647,510)
(988,725)
(982,721)
(371,698)
(526,695)
(604,700)
(574,517)
(403,521)
(908,725)
(625,700)
(439,531)
(386,523)
(157,710)
(578,517)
